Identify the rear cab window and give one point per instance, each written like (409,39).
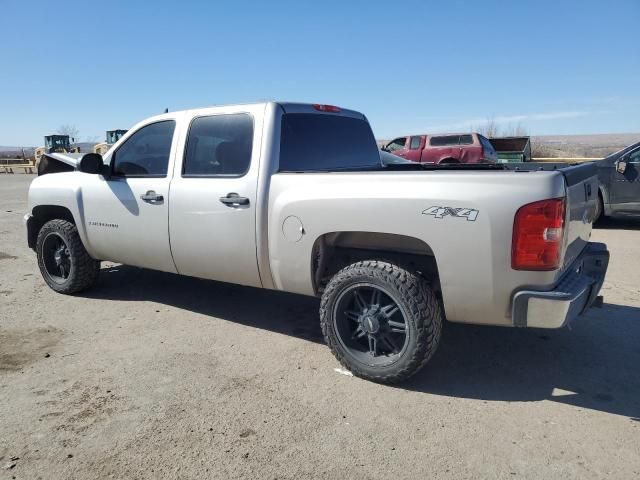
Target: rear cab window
(219,145)
(466,139)
(326,142)
(444,140)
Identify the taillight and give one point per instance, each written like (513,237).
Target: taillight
(326,108)
(538,232)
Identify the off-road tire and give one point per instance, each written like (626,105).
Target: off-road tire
(424,318)
(84,269)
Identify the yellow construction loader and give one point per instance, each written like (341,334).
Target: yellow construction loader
(112,137)
(54,144)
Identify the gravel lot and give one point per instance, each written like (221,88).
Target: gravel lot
(151,375)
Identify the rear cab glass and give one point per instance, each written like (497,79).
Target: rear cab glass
(219,145)
(326,142)
(466,139)
(444,140)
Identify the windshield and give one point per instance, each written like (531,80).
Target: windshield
(317,142)
(56,142)
(114,135)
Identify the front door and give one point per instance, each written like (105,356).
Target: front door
(212,214)
(127,215)
(626,186)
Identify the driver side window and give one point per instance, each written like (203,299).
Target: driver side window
(397,144)
(634,157)
(146,152)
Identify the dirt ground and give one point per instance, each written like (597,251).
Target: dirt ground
(151,375)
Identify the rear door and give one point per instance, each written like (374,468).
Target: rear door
(442,147)
(212,214)
(625,191)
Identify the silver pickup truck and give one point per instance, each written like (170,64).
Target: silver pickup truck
(295,197)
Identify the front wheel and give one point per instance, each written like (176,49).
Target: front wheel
(599,210)
(64,263)
(382,322)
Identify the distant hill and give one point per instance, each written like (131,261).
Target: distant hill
(599,145)
(13,149)
(16,152)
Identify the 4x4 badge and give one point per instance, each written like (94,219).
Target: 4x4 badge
(440,212)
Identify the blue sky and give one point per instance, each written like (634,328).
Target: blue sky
(556,67)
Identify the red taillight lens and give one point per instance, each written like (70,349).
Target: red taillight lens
(538,235)
(326,108)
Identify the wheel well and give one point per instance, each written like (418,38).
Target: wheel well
(334,251)
(602,194)
(41,215)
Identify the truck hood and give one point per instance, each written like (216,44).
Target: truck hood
(72,159)
(59,162)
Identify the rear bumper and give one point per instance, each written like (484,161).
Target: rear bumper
(571,297)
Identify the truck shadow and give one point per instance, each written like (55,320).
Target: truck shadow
(596,365)
(286,313)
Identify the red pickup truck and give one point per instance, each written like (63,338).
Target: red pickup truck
(444,148)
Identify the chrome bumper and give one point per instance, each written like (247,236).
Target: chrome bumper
(572,296)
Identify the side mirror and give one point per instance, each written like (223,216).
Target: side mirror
(91,163)
(621,166)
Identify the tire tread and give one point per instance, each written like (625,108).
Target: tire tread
(419,299)
(85,269)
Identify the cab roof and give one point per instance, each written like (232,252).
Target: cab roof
(287,107)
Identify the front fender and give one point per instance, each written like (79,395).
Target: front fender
(60,190)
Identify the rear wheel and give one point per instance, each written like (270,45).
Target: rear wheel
(382,322)
(64,263)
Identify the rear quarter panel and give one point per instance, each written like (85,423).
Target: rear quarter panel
(471,153)
(473,257)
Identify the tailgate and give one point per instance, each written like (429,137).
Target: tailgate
(582,196)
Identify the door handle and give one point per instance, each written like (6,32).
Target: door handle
(152,197)
(234,200)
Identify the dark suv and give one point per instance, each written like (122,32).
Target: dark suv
(619,175)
